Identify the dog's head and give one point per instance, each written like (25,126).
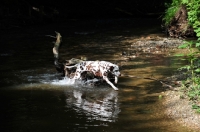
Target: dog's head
(114,69)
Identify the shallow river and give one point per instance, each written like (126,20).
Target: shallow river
(35,98)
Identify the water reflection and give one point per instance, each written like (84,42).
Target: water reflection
(99,105)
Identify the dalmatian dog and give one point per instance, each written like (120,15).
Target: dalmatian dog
(99,69)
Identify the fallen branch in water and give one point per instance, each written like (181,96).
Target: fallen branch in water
(60,66)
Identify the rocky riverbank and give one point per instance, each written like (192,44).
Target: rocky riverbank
(177,108)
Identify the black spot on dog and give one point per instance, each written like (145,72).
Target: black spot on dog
(105,74)
(111,68)
(81,67)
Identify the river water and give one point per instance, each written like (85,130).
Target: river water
(35,98)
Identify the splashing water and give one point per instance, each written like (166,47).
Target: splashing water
(68,81)
(65,81)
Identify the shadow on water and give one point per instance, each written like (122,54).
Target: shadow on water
(39,107)
(33,97)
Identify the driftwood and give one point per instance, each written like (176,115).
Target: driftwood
(72,61)
(60,66)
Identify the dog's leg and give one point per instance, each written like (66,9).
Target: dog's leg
(116,79)
(107,80)
(76,77)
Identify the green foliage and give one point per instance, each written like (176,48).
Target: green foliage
(192,87)
(193,7)
(192,83)
(196,107)
(171,10)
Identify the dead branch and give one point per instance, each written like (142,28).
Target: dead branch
(57,44)
(60,66)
